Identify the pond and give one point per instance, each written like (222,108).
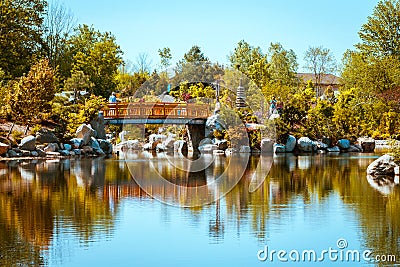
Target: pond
(92,212)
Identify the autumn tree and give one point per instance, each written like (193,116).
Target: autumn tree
(31,94)
(20,34)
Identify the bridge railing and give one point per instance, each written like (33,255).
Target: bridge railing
(155,110)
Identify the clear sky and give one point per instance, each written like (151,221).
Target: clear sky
(217,26)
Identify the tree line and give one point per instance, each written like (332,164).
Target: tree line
(43,52)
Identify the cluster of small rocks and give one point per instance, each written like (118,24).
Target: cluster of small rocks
(46,144)
(305,144)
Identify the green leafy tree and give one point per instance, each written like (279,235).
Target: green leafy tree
(165,57)
(20,34)
(282,65)
(78,81)
(98,56)
(32,93)
(380,36)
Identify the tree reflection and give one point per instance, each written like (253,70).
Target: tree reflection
(40,199)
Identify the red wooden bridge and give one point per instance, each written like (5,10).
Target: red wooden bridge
(156,113)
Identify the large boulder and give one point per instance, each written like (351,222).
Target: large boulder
(384,165)
(321,145)
(290,143)
(28,143)
(305,144)
(105,145)
(99,126)
(85,132)
(267,145)
(355,148)
(214,122)
(45,136)
(343,143)
(52,147)
(367,144)
(278,148)
(76,142)
(3,148)
(96,146)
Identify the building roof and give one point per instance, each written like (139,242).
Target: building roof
(327,79)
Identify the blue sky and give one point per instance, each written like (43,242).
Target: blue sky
(217,26)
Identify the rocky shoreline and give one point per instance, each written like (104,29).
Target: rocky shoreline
(46,145)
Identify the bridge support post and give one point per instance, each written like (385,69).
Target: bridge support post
(196,132)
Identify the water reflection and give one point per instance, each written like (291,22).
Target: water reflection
(46,204)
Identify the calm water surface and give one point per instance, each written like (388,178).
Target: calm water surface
(90,212)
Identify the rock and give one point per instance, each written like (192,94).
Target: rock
(85,132)
(45,136)
(72,153)
(87,150)
(267,145)
(157,137)
(3,148)
(28,143)
(26,153)
(333,149)
(99,126)
(68,147)
(41,153)
(245,149)
(354,148)
(169,143)
(12,154)
(41,147)
(53,154)
(64,152)
(151,145)
(214,122)
(76,142)
(230,151)
(278,148)
(180,146)
(160,147)
(326,141)
(367,144)
(290,143)
(305,144)
(343,143)
(322,145)
(106,146)
(52,147)
(206,141)
(218,152)
(222,144)
(96,146)
(77,151)
(34,154)
(384,165)
(147,146)
(207,148)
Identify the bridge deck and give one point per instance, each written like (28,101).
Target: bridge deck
(155,113)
